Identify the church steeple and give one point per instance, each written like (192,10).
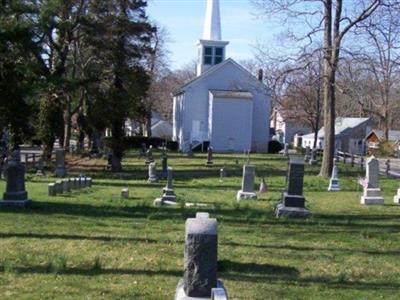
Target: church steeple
(212,24)
(211,50)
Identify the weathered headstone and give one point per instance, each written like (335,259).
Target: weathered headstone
(313,158)
(152,172)
(201,260)
(89,181)
(334,184)
(59,187)
(51,189)
(164,166)
(247,191)
(168,196)
(39,168)
(15,194)
(60,163)
(219,294)
(222,174)
(396,198)
(149,155)
(293,201)
(210,161)
(66,186)
(308,153)
(125,193)
(372,192)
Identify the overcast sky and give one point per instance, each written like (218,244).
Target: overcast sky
(184,20)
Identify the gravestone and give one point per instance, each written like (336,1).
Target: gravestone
(125,193)
(396,198)
(89,181)
(210,161)
(149,155)
(51,189)
(247,191)
(313,157)
(200,260)
(168,196)
(15,194)
(59,187)
(164,166)
(372,192)
(222,174)
(293,201)
(66,186)
(263,186)
(60,163)
(308,153)
(152,172)
(39,167)
(219,294)
(82,180)
(334,185)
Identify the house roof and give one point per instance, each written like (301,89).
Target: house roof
(214,69)
(394,135)
(342,127)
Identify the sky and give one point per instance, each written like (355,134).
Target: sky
(184,21)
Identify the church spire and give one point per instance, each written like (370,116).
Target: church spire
(212,24)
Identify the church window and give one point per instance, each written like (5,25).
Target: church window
(218,55)
(208,55)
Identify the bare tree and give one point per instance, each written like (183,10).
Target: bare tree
(334,19)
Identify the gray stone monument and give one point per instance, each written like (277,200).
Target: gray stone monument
(89,181)
(293,201)
(334,184)
(149,155)
(15,194)
(40,168)
(313,158)
(372,193)
(222,174)
(66,186)
(164,166)
(51,189)
(125,193)
(396,198)
(60,163)
(168,196)
(210,161)
(201,260)
(247,191)
(308,153)
(219,294)
(59,187)
(152,172)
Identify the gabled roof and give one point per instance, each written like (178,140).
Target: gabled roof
(394,135)
(214,69)
(343,126)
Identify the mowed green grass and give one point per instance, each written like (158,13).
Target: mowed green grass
(91,244)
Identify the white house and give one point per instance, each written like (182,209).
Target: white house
(224,105)
(349,135)
(288,130)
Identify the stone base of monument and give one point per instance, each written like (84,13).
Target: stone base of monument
(161,201)
(372,196)
(15,203)
(334,185)
(60,172)
(152,179)
(290,211)
(181,295)
(245,195)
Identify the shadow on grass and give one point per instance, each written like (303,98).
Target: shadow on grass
(307,248)
(228,266)
(46,269)
(51,236)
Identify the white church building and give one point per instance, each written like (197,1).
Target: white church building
(224,105)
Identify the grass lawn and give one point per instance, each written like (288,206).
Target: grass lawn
(91,244)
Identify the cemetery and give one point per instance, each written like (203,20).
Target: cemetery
(143,159)
(90,242)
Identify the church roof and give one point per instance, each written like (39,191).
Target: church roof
(213,69)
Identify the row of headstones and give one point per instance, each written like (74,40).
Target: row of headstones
(66,185)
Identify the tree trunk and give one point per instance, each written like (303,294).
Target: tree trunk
(67,125)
